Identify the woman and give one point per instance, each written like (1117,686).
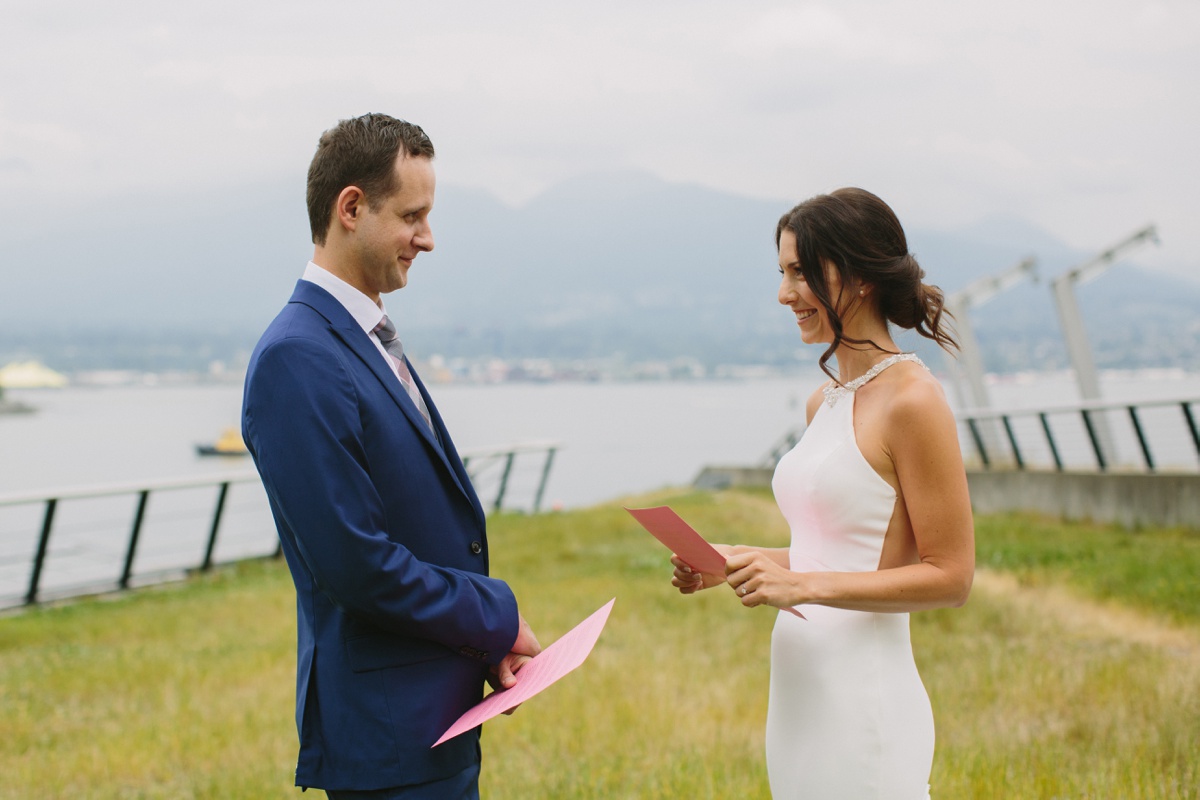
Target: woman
(876,498)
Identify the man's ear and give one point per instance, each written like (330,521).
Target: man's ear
(350,206)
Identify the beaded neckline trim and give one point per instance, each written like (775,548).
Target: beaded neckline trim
(835,391)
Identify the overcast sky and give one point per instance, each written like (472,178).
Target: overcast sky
(1082,117)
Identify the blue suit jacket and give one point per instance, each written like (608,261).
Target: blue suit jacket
(397,620)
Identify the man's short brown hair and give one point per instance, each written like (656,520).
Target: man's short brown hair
(359,152)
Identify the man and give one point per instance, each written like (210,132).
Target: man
(398,622)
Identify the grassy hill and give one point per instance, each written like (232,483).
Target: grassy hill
(1073,671)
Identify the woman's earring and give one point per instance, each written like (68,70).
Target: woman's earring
(861,292)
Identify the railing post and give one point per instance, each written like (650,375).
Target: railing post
(1012,440)
(1191,423)
(1141,437)
(1058,464)
(29,591)
(1091,430)
(127,572)
(216,523)
(39,557)
(983,456)
(508,463)
(537,500)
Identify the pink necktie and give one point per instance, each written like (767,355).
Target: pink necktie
(390,340)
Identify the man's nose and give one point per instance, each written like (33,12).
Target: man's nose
(424,238)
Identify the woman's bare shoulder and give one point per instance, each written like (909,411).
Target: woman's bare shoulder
(914,394)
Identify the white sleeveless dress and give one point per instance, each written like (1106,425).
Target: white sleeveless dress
(848,717)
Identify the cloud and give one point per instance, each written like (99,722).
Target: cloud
(34,144)
(1078,114)
(817,31)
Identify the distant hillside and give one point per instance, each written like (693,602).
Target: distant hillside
(614,263)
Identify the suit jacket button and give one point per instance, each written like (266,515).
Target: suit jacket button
(476,548)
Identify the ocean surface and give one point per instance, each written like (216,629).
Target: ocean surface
(616,439)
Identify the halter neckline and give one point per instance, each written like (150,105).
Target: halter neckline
(836,391)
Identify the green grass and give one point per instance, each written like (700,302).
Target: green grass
(170,692)
(1154,570)
(186,691)
(1035,700)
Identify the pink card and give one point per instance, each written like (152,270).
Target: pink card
(682,540)
(571,650)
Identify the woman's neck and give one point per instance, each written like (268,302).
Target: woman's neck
(855,361)
(862,323)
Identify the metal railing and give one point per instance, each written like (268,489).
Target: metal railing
(480,464)
(87,549)
(88,540)
(790,439)
(1147,435)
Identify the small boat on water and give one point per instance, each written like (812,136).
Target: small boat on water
(230,444)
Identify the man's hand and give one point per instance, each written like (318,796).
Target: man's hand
(524,648)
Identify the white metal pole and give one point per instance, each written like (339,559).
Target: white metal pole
(1079,348)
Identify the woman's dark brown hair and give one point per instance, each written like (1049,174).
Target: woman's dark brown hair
(860,236)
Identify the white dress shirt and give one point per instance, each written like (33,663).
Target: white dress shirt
(362,308)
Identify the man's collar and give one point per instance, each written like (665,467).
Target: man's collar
(361,307)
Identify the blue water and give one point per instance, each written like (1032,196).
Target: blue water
(616,439)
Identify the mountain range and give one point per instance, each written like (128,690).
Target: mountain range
(614,264)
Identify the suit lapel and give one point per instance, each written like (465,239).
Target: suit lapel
(343,325)
(449,453)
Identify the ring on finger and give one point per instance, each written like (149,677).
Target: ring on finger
(742,590)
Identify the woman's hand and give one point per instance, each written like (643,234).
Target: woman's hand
(759,580)
(688,581)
